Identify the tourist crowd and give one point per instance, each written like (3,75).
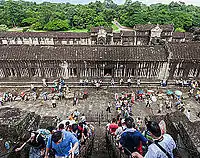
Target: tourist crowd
(65,140)
(136,141)
(138,138)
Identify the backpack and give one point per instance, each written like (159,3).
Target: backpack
(132,142)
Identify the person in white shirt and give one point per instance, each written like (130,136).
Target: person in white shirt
(188,114)
(165,141)
(129,82)
(83,118)
(44,82)
(138,82)
(121,81)
(53,101)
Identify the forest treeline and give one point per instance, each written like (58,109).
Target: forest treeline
(65,16)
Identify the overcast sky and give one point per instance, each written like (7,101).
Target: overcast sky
(194,2)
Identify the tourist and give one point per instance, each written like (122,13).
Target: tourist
(109,107)
(131,138)
(169,105)
(75,100)
(112,82)
(160,141)
(83,118)
(1,101)
(44,94)
(53,102)
(153,98)
(164,83)
(33,89)
(67,126)
(160,107)
(198,114)
(63,142)
(107,125)
(129,81)
(61,81)
(126,113)
(116,96)
(37,145)
(55,82)
(61,127)
(148,102)
(71,117)
(138,124)
(132,97)
(191,92)
(121,81)
(119,131)
(44,82)
(113,126)
(85,94)
(34,96)
(86,82)
(76,114)
(81,82)
(138,82)
(188,114)
(75,132)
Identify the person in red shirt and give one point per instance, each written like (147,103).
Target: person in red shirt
(113,126)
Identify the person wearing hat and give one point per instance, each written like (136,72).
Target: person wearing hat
(131,139)
(162,146)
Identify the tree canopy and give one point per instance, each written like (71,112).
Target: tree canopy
(65,16)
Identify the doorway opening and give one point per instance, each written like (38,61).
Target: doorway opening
(107,72)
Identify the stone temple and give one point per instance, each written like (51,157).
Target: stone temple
(146,52)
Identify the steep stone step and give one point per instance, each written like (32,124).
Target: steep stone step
(99,148)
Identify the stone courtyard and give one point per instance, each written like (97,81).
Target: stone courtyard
(97,103)
(94,107)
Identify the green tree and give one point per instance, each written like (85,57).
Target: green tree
(57,25)
(3,28)
(37,26)
(28,21)
(179,30)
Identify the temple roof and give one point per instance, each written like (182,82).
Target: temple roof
(128,33)
(97,53)
(96,29)
(45,34)
(148,27)
(186,51)
(178,35)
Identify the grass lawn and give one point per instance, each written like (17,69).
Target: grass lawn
(15,29)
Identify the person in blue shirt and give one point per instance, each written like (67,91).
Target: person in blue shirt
(165,141)
(64,144)
(131,139)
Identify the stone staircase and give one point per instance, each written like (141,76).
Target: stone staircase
(99,148)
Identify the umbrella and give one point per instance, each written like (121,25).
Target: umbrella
(140,92)
(150,91)
(169,92)
(177,92)
(44,93)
